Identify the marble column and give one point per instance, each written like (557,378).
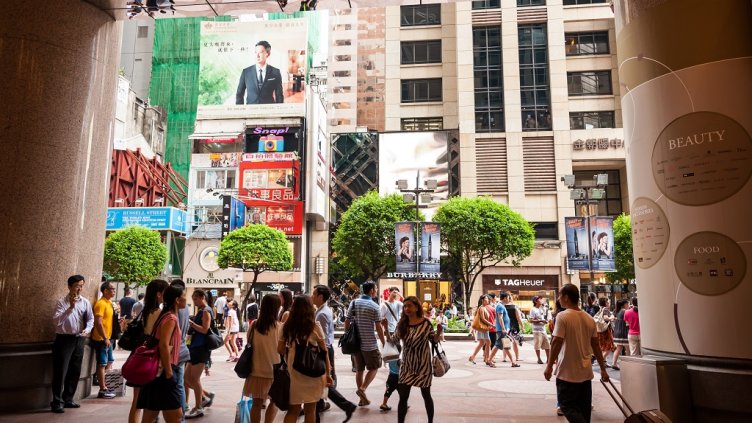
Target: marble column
(686,74)
(57,98)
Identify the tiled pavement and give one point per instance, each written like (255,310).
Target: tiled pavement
(467,394)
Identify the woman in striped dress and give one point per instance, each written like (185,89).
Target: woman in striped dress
(415,332)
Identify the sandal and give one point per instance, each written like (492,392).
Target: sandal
(490,364)
(470,360)
(384,407)
(516,365)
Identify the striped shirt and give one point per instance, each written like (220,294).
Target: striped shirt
(366,314)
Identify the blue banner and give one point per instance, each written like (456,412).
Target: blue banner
(157,218)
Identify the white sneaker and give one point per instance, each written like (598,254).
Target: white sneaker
(106,394)
(196,412)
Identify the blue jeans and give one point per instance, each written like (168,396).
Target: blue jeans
(180,377)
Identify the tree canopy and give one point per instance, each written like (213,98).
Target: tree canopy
(478,233)
(364,240)
(623,255)
(134,255)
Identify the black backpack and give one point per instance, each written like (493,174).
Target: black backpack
(133,335)
(350,340)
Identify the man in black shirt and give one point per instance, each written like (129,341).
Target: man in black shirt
(252,310)
(126,304)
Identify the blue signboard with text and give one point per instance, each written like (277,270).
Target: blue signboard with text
(157,218)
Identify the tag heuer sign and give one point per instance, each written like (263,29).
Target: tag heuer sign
(208,259)
(517,282)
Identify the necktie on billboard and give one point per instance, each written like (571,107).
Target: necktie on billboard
(260,79)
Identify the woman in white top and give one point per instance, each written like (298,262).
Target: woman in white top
(233,327)
(263,334)
(149,315)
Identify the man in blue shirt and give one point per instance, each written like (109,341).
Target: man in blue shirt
(365,312)
(502,330)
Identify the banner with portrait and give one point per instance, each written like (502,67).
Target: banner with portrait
(602,243)
(578,256)
(404,246)
(253,68)
(430,247)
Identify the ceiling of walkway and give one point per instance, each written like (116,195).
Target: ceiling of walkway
(186,8)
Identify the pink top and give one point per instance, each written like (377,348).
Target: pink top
(176,337)
(633,320)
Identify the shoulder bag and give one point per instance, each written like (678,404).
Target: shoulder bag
(310,360)
(350,340)
(133,335)
(279,392)
(213,338)
(439,362)
(244,366)
(601,325)
(142,366)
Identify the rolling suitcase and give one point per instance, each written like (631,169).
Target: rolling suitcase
(647,416)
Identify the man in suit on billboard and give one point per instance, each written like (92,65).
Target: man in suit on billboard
(260,83)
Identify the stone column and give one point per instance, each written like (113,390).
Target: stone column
(59,70)
(686,74)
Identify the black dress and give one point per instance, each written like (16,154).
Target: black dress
(415,367)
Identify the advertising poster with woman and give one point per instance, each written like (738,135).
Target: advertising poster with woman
(404,244)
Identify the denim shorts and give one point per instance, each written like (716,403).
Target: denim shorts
(103,353)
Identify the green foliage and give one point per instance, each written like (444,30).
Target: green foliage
(478,233)
(134,255)
(364,240)
(622,250)
(255,248)
(213,85)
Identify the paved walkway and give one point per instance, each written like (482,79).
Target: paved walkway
(467,394)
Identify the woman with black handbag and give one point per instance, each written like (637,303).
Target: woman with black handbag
(200,354)
(263,336)
(416,333)
(305,347)
(149,314)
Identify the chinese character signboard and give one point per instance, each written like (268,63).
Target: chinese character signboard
(430,247)
(233,214)
(404,244)
(157,218)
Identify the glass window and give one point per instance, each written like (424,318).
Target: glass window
(216,179)
(546,230)
(417,52)
(342,74)
(421,90)
(585,43)
(591,120)
(609,206)
(534,83)
(420,14)
(422,124)
(523,3)
(576,2)
(489,100)
(486,4)
(589,83)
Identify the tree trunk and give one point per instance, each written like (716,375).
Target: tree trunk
(248,295)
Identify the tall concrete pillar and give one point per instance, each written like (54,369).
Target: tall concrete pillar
(57,98)
(686,75)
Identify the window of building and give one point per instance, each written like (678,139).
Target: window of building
(343,58)
(488,81)
(421,90)
(207,214)
(343,89)
(534,85)
(216,179)
(342,73)
(589,83)
(586,43)
(576,2)
(486,4)
(546,230)
(591,120)
(341,43)
(420,14)
(341,105)
(143,31)
(523,3)
(417,52)
(342,27)
(609,206)
(422,124)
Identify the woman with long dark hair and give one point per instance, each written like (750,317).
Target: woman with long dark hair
(148,315)
(163,394)
(481,324)
(301,327)
(233,327)
(620,333)
(263,335)
(592,304)
(606,337)
(416,334)
(200,354)
(285,297)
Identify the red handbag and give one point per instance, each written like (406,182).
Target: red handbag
(142,366)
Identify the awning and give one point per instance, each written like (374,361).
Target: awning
(218,137)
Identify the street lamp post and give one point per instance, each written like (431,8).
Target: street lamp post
(416,194)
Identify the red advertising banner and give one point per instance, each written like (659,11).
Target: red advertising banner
(288,218)
(270,191)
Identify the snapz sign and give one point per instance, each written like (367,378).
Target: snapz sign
(520,282)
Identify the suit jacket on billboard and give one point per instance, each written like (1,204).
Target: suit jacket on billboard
(271,89)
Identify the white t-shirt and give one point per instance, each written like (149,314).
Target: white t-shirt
(220,305)
(235,327)
(391,321)
(535,314)
(577,328)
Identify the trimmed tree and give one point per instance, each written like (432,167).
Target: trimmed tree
(622,250)
(134,255)
(257,249)
(364,241)
(478,233)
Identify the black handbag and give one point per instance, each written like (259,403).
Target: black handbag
(310,360)
(133,336)
(213,338)
(279,392)
(244,366)
(350,340)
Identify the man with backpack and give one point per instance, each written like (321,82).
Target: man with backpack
(366,314)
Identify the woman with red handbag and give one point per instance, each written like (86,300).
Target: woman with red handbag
(162,394)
